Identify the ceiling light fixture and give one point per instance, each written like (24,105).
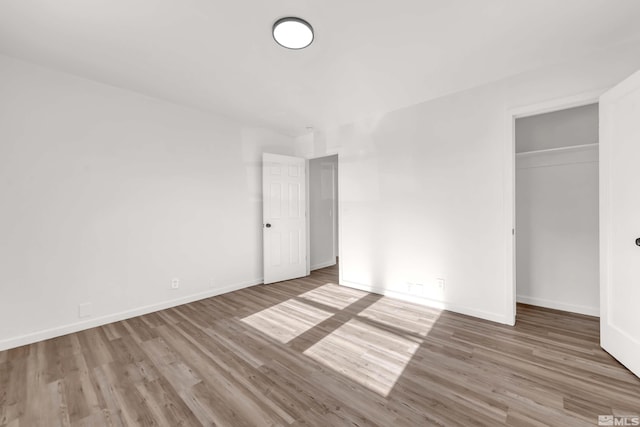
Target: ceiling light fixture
(292,33)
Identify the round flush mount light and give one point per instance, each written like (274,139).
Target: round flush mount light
(292,33)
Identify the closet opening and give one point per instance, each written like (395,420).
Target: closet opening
(557,210)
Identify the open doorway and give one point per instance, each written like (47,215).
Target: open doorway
(323,212)
(557,210)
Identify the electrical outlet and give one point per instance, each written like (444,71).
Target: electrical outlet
(175,283)
(84,310)
(440,284)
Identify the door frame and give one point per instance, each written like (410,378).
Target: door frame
(338,209)
(558,104)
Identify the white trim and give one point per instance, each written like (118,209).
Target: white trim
(569,156)
(337,209)
(556,305)
(116,317)
(340,210)
(323,265)
(494,317)
(509,218)
(558,104)
(335,151)
(606,331)
(329,153)
(551,164)
(569,148)
(335,213)
(512,114)
(307,214)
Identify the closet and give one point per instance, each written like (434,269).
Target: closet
(557,253)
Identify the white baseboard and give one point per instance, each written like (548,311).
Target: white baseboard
(580,309)
(323,265)
(442,305)
(115,317)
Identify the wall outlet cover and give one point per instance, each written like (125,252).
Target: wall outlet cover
(85,309)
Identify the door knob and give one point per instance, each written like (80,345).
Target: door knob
(269,226)
(638,241)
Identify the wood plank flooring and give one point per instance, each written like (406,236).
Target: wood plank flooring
(310,353)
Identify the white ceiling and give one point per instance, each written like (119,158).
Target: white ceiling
(369,56)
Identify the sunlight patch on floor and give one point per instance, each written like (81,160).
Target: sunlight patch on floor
(287,320)
(417,320)
(333,295)
(371,356)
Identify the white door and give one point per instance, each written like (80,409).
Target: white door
(284,217)
(620,222)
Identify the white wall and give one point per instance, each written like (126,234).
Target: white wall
(106,195)
(557,228)
(425,192)
(573,126)
(322,212)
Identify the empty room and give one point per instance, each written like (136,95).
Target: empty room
(303,213)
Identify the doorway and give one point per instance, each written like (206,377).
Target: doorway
(323,212)
(557,210)
(619,209)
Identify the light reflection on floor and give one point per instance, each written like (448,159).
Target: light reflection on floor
(287,320)
(413,320)
(333,295)
(372,348)
(354,351)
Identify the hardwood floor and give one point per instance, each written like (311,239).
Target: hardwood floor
(310,353)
